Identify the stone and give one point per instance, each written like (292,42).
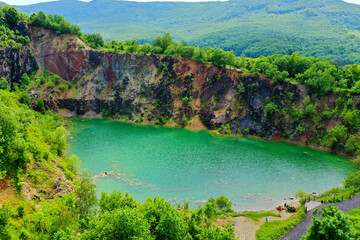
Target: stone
(293,206)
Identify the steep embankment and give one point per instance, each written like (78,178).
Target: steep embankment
(152,87)
(14,63)
(176,91)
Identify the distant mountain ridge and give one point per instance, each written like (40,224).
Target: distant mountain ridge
(316,28)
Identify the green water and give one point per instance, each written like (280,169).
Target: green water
(185,165)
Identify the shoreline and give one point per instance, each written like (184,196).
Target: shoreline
(68,114)
(215,133)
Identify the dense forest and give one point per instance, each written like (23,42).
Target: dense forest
(322,29)
(33,147)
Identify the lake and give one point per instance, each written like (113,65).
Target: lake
(193,165)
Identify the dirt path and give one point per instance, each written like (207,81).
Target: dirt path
(245,228)
(301,229)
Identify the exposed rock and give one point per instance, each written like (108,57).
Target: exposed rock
(15,63)
(293,206)
(132,85)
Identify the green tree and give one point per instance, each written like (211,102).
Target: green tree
(270,110)
(115,201)
(353,180)
(170,226)
(224,204)
(38,19)
(219,57)
(163,42)
(211,208)
(4,85)
(123,224)
(334,225)
(25,80)
(85,192)
(25,98)
(154,210)
(336,137)
(11,15)
(95,40)
(352,144)
(5,213)
(40,105)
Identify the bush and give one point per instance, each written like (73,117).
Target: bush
(224,204)
(21,211)
(4,85)
(300,130)
(40,105)
(353,180)
(94,40)
(25,98)
(334,225)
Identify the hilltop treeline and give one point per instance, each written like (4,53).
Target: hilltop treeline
(318,28)
(320,75)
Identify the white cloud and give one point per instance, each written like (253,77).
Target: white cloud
(353,1)
(28,2)
(177,0)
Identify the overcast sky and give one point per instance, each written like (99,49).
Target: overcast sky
(27,2)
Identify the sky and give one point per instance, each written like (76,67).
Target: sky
(27,2)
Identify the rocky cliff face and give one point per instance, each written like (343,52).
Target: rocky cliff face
(157,89)
(15,63)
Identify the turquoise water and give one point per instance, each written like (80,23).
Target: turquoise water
(187,165)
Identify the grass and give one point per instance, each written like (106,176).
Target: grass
(336,194)
(355,218)
(276,229)
(255,216)
(75,92)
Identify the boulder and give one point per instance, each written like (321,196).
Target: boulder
(293,206)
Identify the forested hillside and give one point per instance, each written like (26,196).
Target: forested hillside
(47,63)
(320,28)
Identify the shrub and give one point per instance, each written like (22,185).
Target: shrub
(25,98)
(353,180)
(334,224)
(4,85)
(40,106)
(21,211)
(224,204)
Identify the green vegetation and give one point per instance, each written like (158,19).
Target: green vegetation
(55,22)
(33,141)
(320,28)
(321,76)
(30,140)
(277,229)
(334,224)
(9,16)
(255,216)
(350,188)
(27,136)
(355,219)
(120,216)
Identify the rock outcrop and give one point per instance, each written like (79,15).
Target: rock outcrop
(14,63)
(154,88)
